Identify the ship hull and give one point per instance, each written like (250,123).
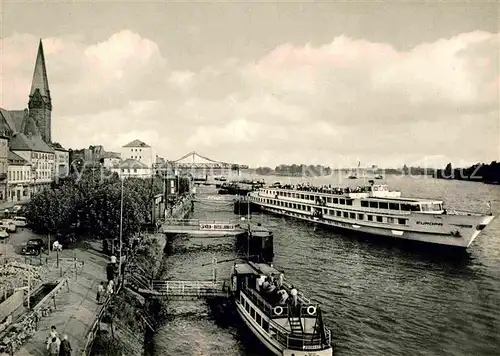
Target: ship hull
(272,345)
(448,230)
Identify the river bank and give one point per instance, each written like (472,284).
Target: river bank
(129,322)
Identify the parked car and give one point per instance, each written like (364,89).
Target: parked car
(3,233)
(16,208)
(34,247)
(19,221)
(9,225)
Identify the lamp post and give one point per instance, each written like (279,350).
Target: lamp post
(121,231)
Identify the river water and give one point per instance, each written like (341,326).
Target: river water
(378,299)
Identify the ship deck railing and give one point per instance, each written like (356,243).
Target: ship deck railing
(463,213)
(268,308)
(305,341)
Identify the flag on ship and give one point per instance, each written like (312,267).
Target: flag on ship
(359,163)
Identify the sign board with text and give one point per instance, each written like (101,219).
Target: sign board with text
(217,226)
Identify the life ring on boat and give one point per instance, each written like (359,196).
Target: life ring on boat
(311,310)
(278,310)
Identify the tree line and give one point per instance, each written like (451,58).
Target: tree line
(86,205)
(479,172)
(295,170)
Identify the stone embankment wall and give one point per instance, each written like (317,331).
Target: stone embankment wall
(129,322)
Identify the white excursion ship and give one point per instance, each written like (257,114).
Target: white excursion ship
(374,210)
(285,325)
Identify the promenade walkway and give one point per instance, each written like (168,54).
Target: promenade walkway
(75,310)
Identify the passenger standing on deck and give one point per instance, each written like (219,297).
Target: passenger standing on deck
(293,293)
(260,281)
(280,280)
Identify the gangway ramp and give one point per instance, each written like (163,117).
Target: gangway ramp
(187,289)
(203,228)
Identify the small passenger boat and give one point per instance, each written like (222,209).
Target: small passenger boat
(287,325)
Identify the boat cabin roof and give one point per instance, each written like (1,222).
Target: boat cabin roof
(255,268)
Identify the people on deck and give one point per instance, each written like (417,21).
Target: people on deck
(293,293)
(284,295)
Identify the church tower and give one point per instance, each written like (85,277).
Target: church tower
(40,103)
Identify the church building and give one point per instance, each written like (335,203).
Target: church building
(29,136)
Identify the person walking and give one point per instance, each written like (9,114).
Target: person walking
(65,348)
(100,293)
(52,334)
(53,347)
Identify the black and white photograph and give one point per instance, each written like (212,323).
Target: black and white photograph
(249,178)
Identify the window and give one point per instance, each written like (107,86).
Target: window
(394,206)
(335,200)
(402,221)
(390,220)
(265,325)
(369,217)
(135,170)
(331,212)
(349,202)
(364,203)
(361,216)
(258,319)
(383,205)
(374,204)
(352,215)
(342,201)
(328,200)
(345,214)
(380,219)
(252,313)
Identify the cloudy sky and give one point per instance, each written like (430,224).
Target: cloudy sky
(266,83)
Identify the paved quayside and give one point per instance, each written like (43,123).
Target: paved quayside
(77,309)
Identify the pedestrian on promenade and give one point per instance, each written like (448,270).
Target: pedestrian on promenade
(100,293)
(110,271)
(53,347)
(65,348)
(52,334)
(111,285)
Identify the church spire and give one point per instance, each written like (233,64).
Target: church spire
(40,80)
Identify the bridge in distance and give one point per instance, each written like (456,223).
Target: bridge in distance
(202,165)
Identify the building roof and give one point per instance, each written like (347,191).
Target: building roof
(57,146)
(131,163)
(111,155)
(136,143)
(15,159)
(40,80)
(7,116)
(21,142)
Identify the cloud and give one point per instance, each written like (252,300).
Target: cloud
(342,101)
